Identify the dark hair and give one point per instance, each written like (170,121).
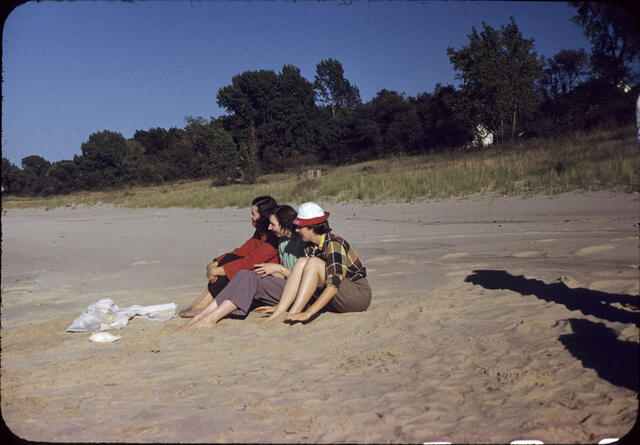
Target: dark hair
(265,205)
(320,228)
(285,215)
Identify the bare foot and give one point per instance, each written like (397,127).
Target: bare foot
(200,324)
(190,324)
(265,310)
(190,312)
(274,318)
(186,326)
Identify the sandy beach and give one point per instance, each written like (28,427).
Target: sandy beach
(493,320)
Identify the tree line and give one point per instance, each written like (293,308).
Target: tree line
(281,120)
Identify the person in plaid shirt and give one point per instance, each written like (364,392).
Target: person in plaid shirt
(331,267)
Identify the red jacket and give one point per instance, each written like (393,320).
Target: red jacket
(257,249)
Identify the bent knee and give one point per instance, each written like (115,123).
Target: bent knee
(300,262)
(314,263)
(244,272)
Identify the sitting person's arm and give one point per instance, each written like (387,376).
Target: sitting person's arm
(273,269)
(214,271)
(263,253)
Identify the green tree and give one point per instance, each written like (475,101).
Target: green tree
(154,141)
(294,91)
(6,174)
(444,117)
(597,103)
(332,88)
(34,169)
(499,71)
(138,168)
(225,166)
(212,150)
(13,178)
(250,98)
(36,165)
(562,75)
(564,70)
(615,38)
(398,123)
(358,136)
(61,178)
(273,118)
(102,163)
(291,132)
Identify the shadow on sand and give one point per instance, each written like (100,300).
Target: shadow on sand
(598,348)
(594,344)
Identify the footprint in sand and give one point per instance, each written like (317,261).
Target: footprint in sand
(527,254)
(16,289)
(394,274)
(593,249)
(595,220)
(451,256)
(457,273)
(384,292)
(381,259)
(139,263)
(626,238)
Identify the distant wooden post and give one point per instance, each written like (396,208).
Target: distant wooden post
(312,174)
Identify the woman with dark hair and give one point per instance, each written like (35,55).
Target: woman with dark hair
(260,248)
(330,276)
(265,283)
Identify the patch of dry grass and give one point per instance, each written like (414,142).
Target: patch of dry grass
(578,161)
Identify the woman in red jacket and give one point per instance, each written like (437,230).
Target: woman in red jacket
(262,247)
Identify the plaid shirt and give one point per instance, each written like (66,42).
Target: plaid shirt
(341,260)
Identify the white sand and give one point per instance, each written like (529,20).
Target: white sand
(444,353)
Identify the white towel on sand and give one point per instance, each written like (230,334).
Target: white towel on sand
(105,314)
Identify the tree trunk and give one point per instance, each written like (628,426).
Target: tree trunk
(252,156)
(513,124)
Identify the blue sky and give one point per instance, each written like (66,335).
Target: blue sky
(71,69)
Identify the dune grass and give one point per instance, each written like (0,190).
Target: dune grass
(602,160)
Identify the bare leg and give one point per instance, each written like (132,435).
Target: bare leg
(202,302)
(312,276)
(290,288)
(212,317)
